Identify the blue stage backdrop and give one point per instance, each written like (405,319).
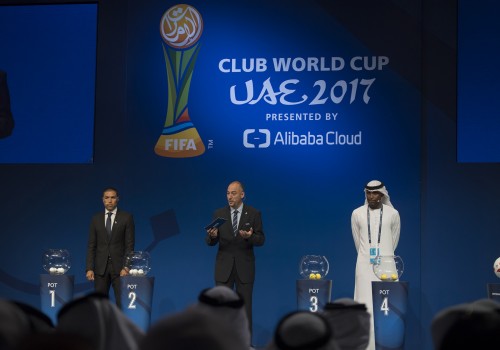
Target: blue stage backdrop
(303,102)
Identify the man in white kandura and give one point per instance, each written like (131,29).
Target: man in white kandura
(375,230)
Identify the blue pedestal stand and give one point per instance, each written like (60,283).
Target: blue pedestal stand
(313,295)
(137,298)
(390,301)
(494,291)
(55,291)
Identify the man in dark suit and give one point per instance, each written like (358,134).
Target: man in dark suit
(235,261)
(111,238)
(6,120)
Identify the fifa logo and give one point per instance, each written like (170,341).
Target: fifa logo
(181,27)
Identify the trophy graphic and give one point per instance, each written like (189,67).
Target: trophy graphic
(180,27)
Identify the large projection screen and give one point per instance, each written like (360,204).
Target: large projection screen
(49,57)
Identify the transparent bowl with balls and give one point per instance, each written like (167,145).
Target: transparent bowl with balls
(138,263)
(314,267)
(56,261)
(388,268)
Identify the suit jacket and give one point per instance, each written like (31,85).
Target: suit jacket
(235,249)
(6,120)
(100,246)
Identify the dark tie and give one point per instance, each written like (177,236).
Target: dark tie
(235,222)
(108,223)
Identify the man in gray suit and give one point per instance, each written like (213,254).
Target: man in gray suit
(235,261)
(6,120)
(111,238)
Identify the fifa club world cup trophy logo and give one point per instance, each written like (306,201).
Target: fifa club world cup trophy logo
(180,27)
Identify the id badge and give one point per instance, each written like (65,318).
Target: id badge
(373,254)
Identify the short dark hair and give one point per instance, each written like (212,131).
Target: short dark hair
(111,189)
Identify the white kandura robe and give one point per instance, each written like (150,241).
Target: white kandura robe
(389,238)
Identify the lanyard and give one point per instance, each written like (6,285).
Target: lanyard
(379,225)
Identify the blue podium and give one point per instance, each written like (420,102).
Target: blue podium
(55,291)
(313,295)
(390,301)
(137,298)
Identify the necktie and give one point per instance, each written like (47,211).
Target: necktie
(108,223)
(235,222)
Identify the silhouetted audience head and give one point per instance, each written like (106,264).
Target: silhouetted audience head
(14,325)
(191,329)
(20,321)
(55,341)
(216,322)
(350,322)
(228,306)
(99,321)
(39,322)
(473,325)
(303,330)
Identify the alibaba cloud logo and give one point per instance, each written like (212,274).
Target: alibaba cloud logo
(259,139)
